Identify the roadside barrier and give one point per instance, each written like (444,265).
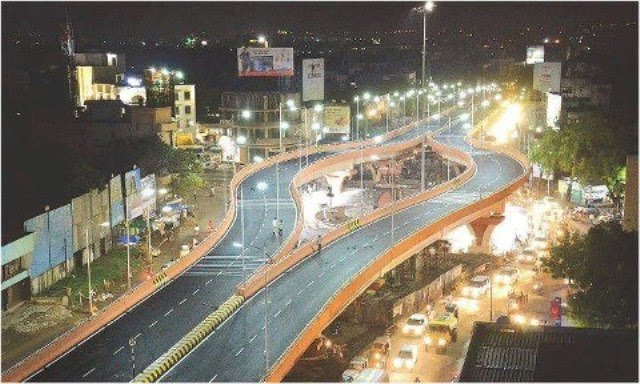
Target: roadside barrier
(189,341)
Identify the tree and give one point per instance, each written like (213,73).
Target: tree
(593,149)
(604,267)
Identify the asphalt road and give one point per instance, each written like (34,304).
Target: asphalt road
(162,319)
(236,350)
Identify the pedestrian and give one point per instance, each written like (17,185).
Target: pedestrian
(319,242)
(274,226)
(280,228)
(196,230)
(212,191)
(210,226)
(194,242)
(416,380)
(195,196)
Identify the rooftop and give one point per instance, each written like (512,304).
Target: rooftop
(511,353)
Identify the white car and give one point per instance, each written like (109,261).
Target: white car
(507,276)
(479,285)
(407,357)
(415,325)
(527,256)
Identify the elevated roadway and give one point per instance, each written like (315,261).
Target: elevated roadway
(265,336)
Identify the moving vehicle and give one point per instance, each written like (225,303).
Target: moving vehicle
(478,285)
(356,365)
(507,276)
(379,352)
(442,331)
(372,375)
(415,324)
(407,357)
(527,256)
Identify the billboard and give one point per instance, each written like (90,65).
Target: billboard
(312,79)
(53,241)
(265,62)
(117,203)
(554,105)
(546,77)
(535,54)
(337,119)
(141,202)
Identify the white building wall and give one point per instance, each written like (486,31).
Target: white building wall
(185,105)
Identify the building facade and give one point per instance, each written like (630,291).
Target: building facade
(97,76)
(16,260)
(255,116)
(185,105)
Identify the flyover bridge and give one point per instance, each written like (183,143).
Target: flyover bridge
(262,340)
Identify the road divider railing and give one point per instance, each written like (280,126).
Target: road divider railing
(189,341)
(160,280)
(403,249)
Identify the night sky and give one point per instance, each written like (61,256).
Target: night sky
(177,19)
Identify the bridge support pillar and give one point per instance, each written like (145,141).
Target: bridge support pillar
(482,228)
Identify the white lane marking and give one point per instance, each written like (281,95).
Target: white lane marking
(300,292)
(118,350)
(240,351)
(277,314)
(168,312)
(310,283)
(136,336)
(182,301)
(219,273)
(288,302)
(196,291)
(213,378)
(333,265)
(322,274)
(263,327)
(365,245)
(89,372)
(253,338)
(343,257)
(152,324)
(207,283)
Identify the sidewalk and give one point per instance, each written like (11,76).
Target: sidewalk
(37,322)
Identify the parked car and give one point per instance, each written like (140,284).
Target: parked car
(507,276)
(442,331)
(529,256)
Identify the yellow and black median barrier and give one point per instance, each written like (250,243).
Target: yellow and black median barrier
(353,225)
(160,280)
(189,341)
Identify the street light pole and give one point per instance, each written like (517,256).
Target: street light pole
(357,98)
(132,344)
(126,223)
(278,163)
(242,229)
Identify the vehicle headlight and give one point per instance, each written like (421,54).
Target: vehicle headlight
(406,329)
(409,364)
(397,362)
(465,291)
(427,340)
(442,342)
(475,293)
(534,322)
(519,319)
(377,355)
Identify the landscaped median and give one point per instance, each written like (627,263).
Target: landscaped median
(189,341)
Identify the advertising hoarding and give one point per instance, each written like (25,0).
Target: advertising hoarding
(554,105)
(546,77)
(116,200)
(265,62)
(312,79)
(535,54)
(337,119)
(141,202)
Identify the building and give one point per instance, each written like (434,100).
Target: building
(16,260)
(584,91)
(106,121)
(630,219)
(97,76)
(255,116)
(185,105)
(513,353)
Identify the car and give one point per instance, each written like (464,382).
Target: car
(372,375)
(406,357)
(478,285)
(442,331)
(528,255)
(540,243)
(507,275)
(415,325)
(379,352)
(452,308)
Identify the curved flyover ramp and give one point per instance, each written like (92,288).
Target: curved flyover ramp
(265,336)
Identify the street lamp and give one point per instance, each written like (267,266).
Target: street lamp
(147,193)
(428,7)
